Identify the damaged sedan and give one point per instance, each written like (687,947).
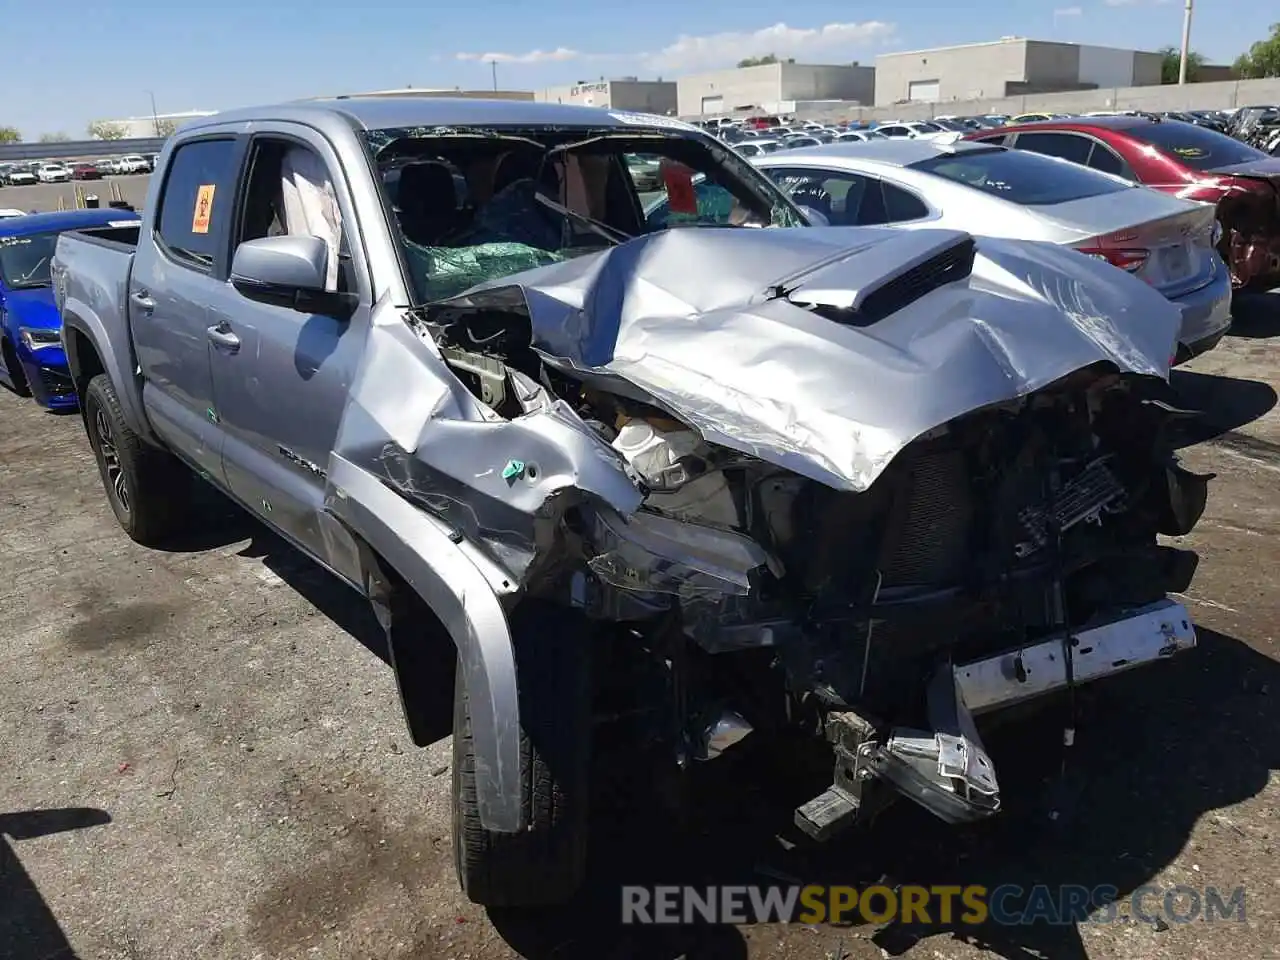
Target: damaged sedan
(696,474)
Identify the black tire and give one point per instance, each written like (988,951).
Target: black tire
(148,488)
(543,865)
(16,373)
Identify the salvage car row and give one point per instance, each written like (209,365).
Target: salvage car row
(57,171)
(750,459)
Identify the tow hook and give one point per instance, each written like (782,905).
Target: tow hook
(946,770)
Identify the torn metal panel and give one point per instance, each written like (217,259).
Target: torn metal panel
(713,326)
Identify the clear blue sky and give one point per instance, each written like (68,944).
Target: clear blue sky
(70,62)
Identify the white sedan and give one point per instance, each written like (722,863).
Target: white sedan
(52,173)
(997,192)
(912,130)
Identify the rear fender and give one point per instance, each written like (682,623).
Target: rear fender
(90,350)
(451,582)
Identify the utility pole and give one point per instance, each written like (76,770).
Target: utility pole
(494,65)
(155,119)
(1186,42)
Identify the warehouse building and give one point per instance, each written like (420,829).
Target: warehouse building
(772,88)
(152,125)
(627,93)
(1008,67)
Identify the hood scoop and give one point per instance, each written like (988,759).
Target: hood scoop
(861,293)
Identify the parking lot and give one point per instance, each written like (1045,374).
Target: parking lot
(205,755)
(44,197)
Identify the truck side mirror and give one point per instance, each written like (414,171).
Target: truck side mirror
(288,272)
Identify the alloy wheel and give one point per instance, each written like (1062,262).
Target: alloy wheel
(110,459)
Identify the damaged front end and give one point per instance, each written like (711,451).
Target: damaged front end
(904,481)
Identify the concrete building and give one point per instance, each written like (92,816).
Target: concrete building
(160,125)
(627,93)
(1008,67)
(772,88)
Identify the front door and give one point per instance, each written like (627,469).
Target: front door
(174,277)
(282,377)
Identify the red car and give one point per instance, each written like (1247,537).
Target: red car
(1188,161)
(85,171)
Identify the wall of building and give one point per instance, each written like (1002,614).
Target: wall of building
(964,72)
(142,127)
(802,81)
(1148,68)
(646,96)
(1107,67)
(1192,96)
(767,86)
(1053,66)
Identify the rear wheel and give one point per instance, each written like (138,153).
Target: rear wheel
(545,863)
(148,488)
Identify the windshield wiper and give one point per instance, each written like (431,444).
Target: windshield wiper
(612,234)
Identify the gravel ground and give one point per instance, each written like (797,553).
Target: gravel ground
(206,757)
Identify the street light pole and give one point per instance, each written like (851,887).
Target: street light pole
(155,119)
(494,65)
(1186,42)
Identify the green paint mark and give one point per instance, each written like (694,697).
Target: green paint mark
(212,415)
(513,469)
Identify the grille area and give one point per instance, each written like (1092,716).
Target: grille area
(927,541)
(56,383)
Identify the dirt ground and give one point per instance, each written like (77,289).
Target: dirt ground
(204,757)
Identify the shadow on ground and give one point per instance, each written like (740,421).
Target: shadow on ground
(28,928)
(1155,751)
(1225,404)
(1255,316)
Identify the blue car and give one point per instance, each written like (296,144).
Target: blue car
(31,357)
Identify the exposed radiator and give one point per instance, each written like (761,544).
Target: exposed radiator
(927,541)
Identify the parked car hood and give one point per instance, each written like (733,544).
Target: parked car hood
(34,308)
(719,327)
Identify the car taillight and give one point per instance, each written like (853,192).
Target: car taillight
(1130,260)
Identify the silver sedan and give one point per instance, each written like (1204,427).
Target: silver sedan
(997,192)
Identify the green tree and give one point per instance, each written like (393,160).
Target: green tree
(1172,63)
(10,135)
(165,128)
(1263,58)
(106,130)
(757,61)
(58,137)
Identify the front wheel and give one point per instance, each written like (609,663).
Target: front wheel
(148,488)
(545,863)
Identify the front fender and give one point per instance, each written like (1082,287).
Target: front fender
(420,550)
(116,362)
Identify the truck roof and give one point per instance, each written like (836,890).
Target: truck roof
(375,113)
(62,220)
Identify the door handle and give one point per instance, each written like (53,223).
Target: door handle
(221,336)
(142,300)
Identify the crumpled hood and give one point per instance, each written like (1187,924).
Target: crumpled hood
(33,308)
(717,326)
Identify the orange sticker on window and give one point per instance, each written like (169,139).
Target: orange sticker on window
(678,179)
(204,208)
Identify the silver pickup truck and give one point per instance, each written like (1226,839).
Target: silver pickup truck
(699,474)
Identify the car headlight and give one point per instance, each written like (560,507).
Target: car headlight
(38,338)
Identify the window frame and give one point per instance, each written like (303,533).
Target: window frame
(219,228)
(1064,135)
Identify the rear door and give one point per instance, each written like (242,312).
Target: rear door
(177,270)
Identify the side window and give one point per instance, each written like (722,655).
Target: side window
(290,193)
(901,206)
(1065,145)
(199,191)
(1105,159)
(997,139)
(892,131)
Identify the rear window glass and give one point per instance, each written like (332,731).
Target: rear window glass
(1196,147)
(1021,177)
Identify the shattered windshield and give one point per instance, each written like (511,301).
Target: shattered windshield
(477,204)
